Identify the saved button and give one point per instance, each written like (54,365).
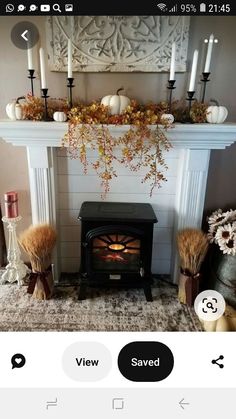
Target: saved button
(145,361)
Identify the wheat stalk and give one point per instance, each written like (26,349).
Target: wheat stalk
(38,241)
(192,246)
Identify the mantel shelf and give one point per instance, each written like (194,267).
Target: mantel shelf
(184,136)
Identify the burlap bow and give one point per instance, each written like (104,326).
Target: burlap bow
(41,276)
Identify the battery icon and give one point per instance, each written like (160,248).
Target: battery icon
(203,7)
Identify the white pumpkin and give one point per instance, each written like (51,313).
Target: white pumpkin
(223,324)
(59,116)
(14,109)
(116,103)
(216,114)
(168,117)
(226,323)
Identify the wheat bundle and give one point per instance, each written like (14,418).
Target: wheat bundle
(192,247)
(38,242)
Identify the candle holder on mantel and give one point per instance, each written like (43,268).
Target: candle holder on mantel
(190,98)
(31,77)
(16,270)
(70,86)
(171,87)
(205,79)
(45,97)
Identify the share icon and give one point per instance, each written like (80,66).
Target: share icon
(215,361)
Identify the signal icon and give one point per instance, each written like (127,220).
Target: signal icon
(162,7)
(174,9)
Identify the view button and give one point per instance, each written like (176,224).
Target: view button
(87,361)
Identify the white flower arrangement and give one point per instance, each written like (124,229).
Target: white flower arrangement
(222,230)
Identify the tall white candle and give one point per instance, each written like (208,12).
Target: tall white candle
(209,52)
(69,59)
(193,71)
(30,57)
(42,68)
(172,63)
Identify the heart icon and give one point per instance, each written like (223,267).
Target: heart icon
(18,361)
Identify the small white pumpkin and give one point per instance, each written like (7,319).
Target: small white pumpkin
(116,103)
(14,109)
(59,116)
(223,324)
(168,117)
(216,114)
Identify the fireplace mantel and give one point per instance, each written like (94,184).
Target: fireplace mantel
(49,134)
(195,142)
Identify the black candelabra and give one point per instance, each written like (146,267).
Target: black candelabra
(171,87)
(45,97)
(31,77)
(190,98)
(205,79)
(70,86)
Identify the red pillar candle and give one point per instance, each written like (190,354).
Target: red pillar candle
(11,204)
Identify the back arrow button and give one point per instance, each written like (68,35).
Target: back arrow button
(23,35)
(182,404)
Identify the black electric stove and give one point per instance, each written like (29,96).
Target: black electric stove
(116,245)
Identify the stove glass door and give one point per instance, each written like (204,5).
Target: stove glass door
(116,253)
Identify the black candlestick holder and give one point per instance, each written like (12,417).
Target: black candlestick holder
(70,86)
(171,87)
(205,79)
(45,97)
(190,98)
(31,77)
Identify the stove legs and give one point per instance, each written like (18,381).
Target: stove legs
(148,292)
(82,291)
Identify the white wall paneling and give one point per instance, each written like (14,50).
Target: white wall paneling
(74,188)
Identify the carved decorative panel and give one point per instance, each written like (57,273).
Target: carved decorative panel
(117,43)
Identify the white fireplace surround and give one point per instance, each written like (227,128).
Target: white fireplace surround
(194,142)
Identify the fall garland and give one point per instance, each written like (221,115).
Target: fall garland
(142,145)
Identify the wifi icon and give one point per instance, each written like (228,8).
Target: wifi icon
(162,6)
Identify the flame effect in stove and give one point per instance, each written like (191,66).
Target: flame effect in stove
(116,246)
(113,257)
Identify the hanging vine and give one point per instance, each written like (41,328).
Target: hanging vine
(142,145)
